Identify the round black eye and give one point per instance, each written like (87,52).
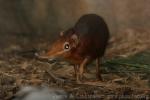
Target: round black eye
(66,46)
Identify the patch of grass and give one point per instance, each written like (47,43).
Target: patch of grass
(138,63)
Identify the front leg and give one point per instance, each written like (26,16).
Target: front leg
(81,70)
(76,69)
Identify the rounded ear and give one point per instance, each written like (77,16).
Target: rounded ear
(75,38)
(61,33)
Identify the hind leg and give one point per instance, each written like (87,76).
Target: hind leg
(98,72)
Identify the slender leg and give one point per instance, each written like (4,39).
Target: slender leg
(81,70)
(77,73)
(76,68)
(98,72)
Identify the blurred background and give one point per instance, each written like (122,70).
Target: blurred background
(26,21)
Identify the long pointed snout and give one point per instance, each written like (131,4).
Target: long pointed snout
(45,58)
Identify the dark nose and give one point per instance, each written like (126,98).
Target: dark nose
(51,60)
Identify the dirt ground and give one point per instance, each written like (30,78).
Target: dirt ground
(125,69)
